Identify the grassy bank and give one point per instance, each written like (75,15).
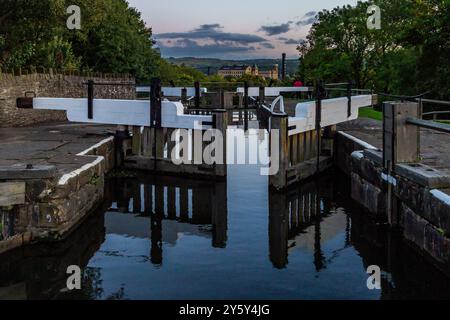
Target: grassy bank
(370,113)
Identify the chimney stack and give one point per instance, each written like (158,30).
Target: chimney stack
(283,67)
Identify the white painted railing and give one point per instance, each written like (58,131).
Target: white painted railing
(123,112)
(334,111)
(273,91)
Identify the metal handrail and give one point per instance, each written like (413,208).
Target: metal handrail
(352,90)
(429,124)
(336,84)
(441,102)
(405,98)
(435,113)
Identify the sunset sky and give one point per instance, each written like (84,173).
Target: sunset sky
(233,29)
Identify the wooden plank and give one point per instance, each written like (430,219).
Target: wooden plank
(170,144)
(160,141)
(307,145)
(313,144)
(407,136)
(12,193)
(301,147)
(294,149)
(279,180)
(222,125)
(308,168)
(401,140)
(137,141)
(148,141)
(197,149)
(167,166)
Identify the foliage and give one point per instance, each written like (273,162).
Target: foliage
(409,55)
(370,113)
(113,39)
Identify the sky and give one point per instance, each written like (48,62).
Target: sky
(231,29)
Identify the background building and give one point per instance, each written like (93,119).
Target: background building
(237,71)
(270,74)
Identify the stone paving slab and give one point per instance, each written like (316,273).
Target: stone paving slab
(56,144)
(435,146)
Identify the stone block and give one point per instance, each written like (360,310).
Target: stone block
(369,196)
(439,206)
(426,236)
(424,175)
(21,172)
(376,156)
(12,193)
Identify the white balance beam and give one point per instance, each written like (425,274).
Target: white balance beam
(123,112)
(272,91)
(334,111)
(172,92)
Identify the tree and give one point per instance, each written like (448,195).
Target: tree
(113,39)
(408,55)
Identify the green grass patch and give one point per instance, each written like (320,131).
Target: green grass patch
(370,113)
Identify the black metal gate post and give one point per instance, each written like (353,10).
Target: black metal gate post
(197,96)
(320,95)
(246,106)
(155,104)
(90,85)
(349,96)
(155,113)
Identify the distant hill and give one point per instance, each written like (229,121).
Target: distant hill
(203,64)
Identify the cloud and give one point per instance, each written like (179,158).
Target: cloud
(208,27)
(267,45)
(189,48)
(291,41)
(308,19)
(212,32)
(276,29)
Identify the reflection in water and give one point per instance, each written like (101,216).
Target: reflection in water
(313,214)
(304,217)
(167,238)
(172,206)
(39,271)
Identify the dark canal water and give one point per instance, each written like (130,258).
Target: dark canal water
(169,238)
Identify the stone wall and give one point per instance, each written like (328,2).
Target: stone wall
(53,85)
(52,209)
(423,207)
